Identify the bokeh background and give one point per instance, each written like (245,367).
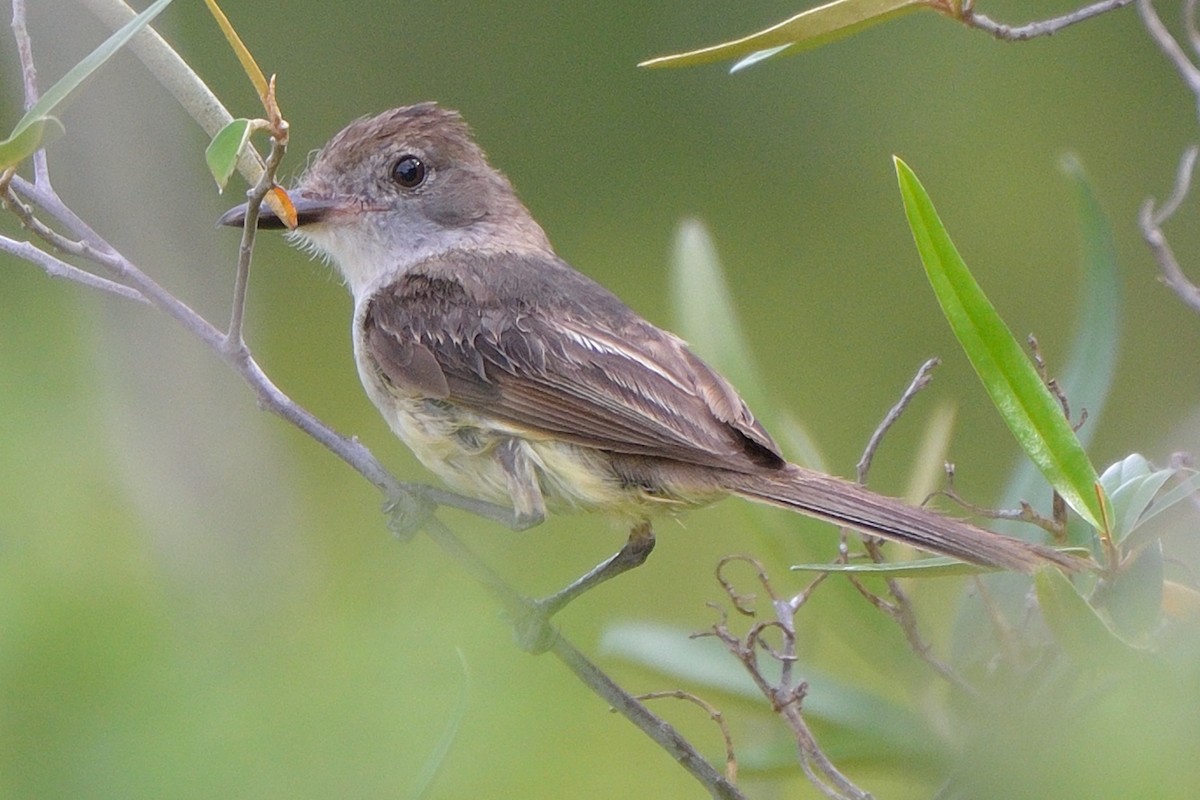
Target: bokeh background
(198,601)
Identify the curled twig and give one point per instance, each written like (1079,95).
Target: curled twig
(1151,220)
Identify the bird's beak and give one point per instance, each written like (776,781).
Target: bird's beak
(308,210)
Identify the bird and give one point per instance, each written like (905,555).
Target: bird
(520,381)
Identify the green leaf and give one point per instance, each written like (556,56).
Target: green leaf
(705,312)
(1133,598)
(433,764)
(222,152)
(1087,375)
(799,445)
(24,143)
(1182,491)
(939,567)
(806,30)
(39,113)
(1131,486)
(1080,631)
(1027,407)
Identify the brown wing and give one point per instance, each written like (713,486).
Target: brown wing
(534,343)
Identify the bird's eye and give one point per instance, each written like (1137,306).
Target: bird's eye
(409,171)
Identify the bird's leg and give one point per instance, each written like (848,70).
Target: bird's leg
(534,633)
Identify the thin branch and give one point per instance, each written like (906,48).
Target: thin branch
(714,713)
(28,77)
(233,337)
(1032,30)
(1189,24)
(1183,184)
(1151,221)
(57,268)
(785,695)
(624,703)
(900,607)
(1026,513)
(919,382)
(1171,49)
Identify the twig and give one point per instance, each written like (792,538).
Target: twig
(28,77)
(1151,221)
(919,382)
(255,197)
(787,694)
(1171,49)
(1032,30)
(57,268)
(1189,24)
(1025,513)
(731,766)
(663,734)
(900,607)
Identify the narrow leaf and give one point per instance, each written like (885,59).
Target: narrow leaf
(806,30)
(222,152)
(1133,497)
(1087,375)
(937,567)
(1027,407)
(433,764)
(1142,533)
(56,94)
(21,145)
(705,313)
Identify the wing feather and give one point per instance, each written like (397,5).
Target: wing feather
(547,350)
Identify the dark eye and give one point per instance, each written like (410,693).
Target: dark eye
(409,172)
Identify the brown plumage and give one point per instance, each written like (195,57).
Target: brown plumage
(519,380)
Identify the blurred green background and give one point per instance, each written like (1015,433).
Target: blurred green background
(198,601)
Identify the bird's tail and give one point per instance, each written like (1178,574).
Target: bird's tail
(848,504)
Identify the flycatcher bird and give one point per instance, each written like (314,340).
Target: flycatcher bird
(522,382)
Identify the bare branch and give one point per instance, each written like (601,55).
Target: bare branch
(28,77)
(1171,49)
(919,382)
(1189,23)
(1151,221)
(731,767)
(57,268)
(786,694)
(256,195)
(1032,30)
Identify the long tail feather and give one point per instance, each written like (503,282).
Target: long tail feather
(848,504)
